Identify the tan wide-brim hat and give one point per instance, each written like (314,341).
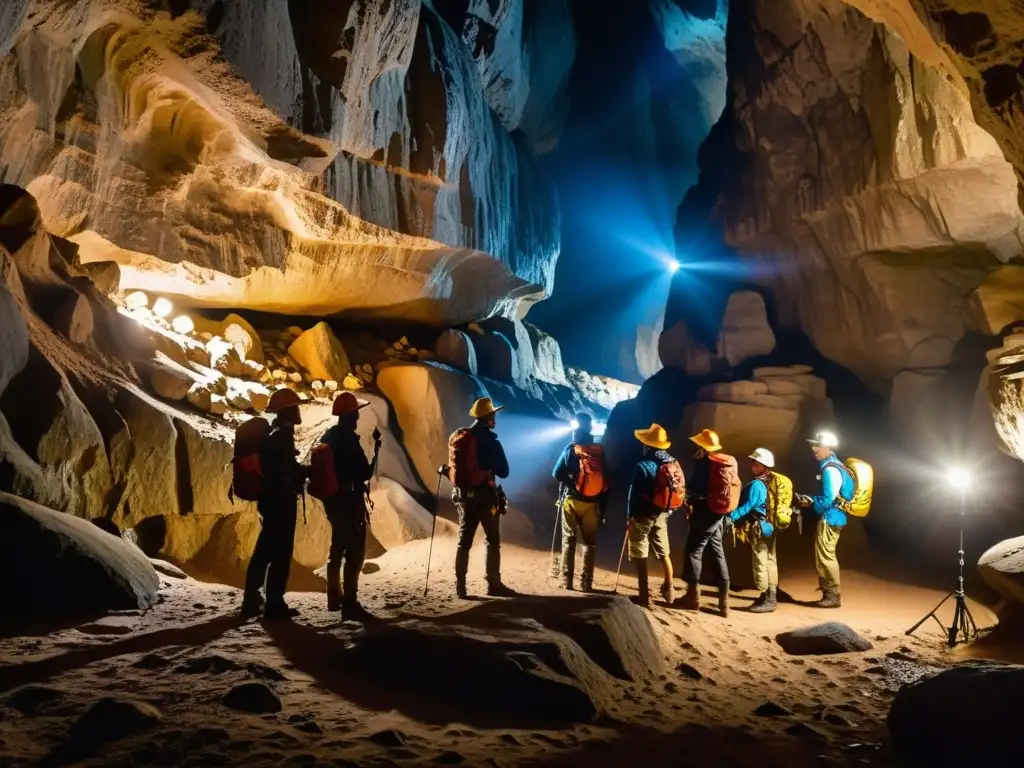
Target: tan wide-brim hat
(655,437)
(483,408)
(708,440)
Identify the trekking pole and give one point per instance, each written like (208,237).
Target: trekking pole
(618,571)
(433,528)
(556,557)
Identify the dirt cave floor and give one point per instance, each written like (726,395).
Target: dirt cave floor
(550,678)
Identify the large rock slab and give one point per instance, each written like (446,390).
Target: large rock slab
(742,428)
(821,639)
(321,354)
(455,348)
(397,518)
(65,566)
(960,716)
(1002,567)
(430,402)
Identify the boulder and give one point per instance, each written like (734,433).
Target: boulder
(247,394)
(455,348)
(998,302)
(254,698)
(745,332)
(821,639)
(742,428)
(111,719)
(430,402)
(320,353)
(1002,567)
(496,357)
(960,717)
(202,396)
(168,379)
(74,318)
(237,331)
(224,357)
(67,566)
(398,519)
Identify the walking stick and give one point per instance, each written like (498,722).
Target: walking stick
(433,528)
(618,571)
(556,557)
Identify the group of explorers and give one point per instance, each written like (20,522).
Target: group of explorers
(267,470)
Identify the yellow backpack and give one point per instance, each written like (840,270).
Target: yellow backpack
(864,486)
(780,501)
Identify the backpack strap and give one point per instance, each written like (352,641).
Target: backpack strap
(845,472)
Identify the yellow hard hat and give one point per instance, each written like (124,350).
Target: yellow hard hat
(483,408)
(708,440)
(655,437)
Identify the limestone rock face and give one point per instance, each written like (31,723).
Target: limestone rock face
(397,519)
(547,356)
(998,302)
(321,354)
(872,235)
(455,348)
(1002,567)
(91,571)
(744,334)
(306,160)
(431,403)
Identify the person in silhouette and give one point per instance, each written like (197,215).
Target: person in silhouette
(347,509)
(283,482)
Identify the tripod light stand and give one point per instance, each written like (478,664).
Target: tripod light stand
(963,628)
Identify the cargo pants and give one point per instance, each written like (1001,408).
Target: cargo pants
(580,519)
(348,517)
(825,559)
(705,529)
(478,507)
(764,562)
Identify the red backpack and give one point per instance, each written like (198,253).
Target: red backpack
(590,477)
(464,471)
(246,466)
(669,487)
(723,484)
(323,474)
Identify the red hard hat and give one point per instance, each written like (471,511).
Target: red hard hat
(282,399)
(346,403)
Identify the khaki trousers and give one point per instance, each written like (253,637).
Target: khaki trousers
(765,564)
(825,559)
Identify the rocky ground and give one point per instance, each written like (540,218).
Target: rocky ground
(549,678)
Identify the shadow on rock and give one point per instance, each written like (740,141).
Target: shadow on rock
(528,663)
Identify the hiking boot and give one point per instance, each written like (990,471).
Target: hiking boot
(691,600)
(830,599)
(723,601)
(280,612)
(567,585)
(586,585)
(767,603)
(355,612)
(668,593)
(643,600)
(460,590)
(498,589)
(251,607)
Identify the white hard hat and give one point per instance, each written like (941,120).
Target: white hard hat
(763,456)
(825,439)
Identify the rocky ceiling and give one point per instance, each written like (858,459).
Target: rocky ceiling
(356,157)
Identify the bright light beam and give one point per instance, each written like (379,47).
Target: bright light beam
(673,266)
(574,424)
(958,478)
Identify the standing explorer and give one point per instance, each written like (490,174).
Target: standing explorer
(582,473)
(764,511)
(274,465)
(658,489)
(339,477)
(713,491)
(475,461)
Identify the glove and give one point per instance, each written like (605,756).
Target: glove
(803,501)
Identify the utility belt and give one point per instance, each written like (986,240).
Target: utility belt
(483,494)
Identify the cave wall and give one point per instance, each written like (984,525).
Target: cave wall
(366,158)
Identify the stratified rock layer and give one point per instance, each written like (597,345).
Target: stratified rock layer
(290,158)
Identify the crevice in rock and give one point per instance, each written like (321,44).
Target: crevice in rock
(31,403)
(186,498)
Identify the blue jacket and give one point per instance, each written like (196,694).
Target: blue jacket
(754,501)
(835,482)
(642,488)
(567,465)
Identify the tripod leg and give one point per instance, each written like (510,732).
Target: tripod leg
(930,615)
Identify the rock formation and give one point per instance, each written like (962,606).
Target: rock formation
(311,161)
